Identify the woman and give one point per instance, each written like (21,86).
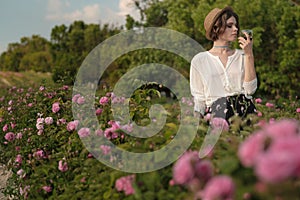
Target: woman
(222,79)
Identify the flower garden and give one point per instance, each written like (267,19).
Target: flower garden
(41,143)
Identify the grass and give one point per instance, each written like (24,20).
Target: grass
(25,79)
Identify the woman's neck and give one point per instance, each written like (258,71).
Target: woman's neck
(221,47)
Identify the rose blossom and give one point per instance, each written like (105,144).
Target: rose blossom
(71,126)
(55,107)
(281,160)
(219,123)
(99,111)
(75,97)
(5,128)
(84,132)
(269,105)
(21,173)
(258,100)
(298,110)
(63,166)
(47,188)
(282,129)
(99,132)
(103,100)
(61,121)
(105,149)
(80,100)
(10,136)
(125,184)
(219,187)
(42,88)
(19,136)
(275,167)
(251,148)
(190,169)
(18,159)
(39,154)
(48,120)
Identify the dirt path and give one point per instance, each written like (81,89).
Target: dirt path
(3,178)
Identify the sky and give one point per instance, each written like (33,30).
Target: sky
(24,18)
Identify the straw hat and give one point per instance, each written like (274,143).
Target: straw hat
(211,19)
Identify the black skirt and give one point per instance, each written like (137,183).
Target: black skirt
(226,107)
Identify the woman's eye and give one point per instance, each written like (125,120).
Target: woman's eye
(229,26)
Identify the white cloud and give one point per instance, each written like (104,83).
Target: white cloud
(89,14)
(58,11)
(127,7)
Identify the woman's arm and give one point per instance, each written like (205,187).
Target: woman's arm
(246,45)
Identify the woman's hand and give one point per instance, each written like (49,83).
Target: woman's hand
(246,44)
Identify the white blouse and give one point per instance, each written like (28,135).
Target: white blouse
(210,80)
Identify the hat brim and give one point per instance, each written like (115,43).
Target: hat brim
(227,8)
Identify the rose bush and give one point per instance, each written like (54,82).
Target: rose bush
(255,158)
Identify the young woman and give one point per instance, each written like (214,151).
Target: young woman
(222,79)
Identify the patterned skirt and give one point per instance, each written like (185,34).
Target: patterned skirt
(226,107)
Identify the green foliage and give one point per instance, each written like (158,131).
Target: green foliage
(276,35)
(88,178)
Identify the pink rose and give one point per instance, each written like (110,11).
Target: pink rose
(84,132)
(281,161)
(21,173)
(19,136)
(5,128)
(18,159)
(48,120)
(55,107)
(269,105)
(219,187)
(259,114)
(258,100)
(10,136)
(282,129)
(298,110)
(61,121)
(71,126)
(189,167)
(219,124)
(40,154)
(75,97)
(104,100)
(63,166)
(251,148)
(183,171)
(42,88)
(125,184)
(274,167)
(105,149)
(204,170)
(99,132)
(47,188)
(99,111)
(80,100)
(110,132)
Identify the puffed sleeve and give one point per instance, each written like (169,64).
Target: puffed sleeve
(250,87)
(197,90)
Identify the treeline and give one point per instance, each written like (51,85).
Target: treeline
(276,26)
(62,55)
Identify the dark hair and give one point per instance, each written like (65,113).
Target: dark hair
(220,24)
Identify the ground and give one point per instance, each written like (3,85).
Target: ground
(3,177)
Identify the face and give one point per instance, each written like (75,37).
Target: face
(231,31)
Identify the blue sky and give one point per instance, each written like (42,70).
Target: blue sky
(23,18)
